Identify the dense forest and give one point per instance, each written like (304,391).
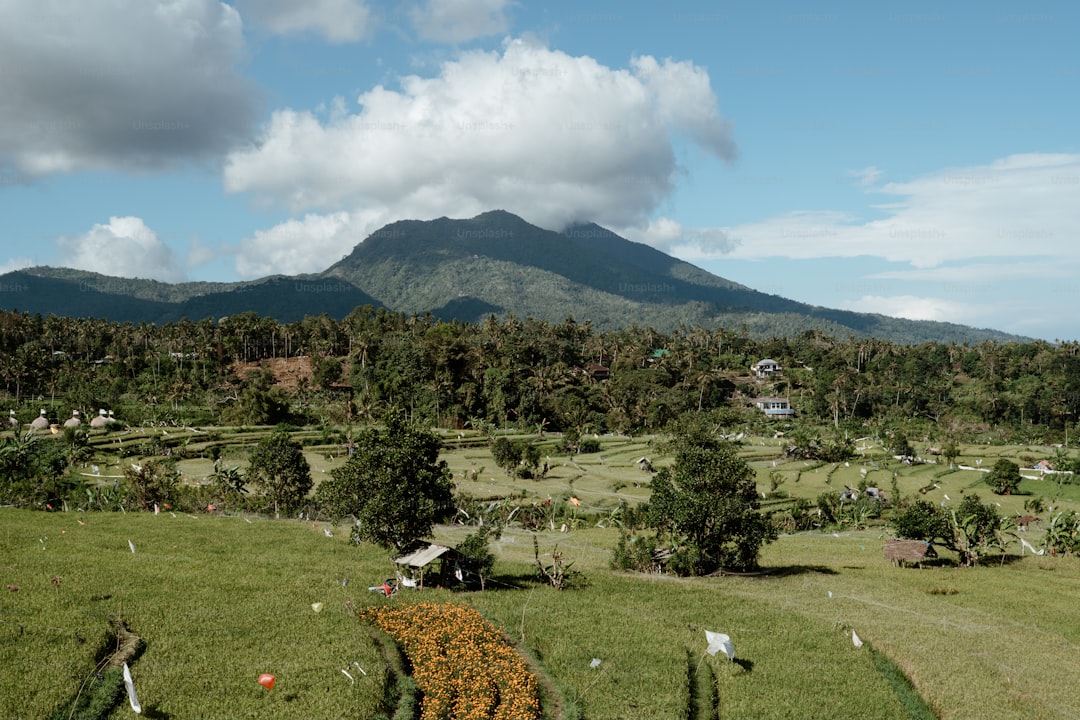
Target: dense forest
(528,374)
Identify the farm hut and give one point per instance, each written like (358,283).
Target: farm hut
(100,421)
(412,568)
(905,551)
(13,422)
(74,420)
(597,371)
(1023,521)
(875,494)
(644,464)
(41,422)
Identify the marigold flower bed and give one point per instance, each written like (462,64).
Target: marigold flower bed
(461,662)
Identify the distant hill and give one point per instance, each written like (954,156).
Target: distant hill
(494,263)
(76,293)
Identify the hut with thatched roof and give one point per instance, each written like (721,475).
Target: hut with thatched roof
(901,552)
(13,422)
(41,422)
(100,421)
(74,420)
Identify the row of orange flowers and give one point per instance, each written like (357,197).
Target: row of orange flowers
(463,665)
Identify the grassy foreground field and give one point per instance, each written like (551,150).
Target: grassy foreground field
(219,600)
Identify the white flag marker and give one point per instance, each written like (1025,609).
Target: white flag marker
(1025,544)
(132,546)
(718,642)
(855,639)
(132,697)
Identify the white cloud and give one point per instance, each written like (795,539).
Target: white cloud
(128,84)
(554,138)
(911,307)
(689,244)
(337,21)
(867,176)
(1031,270)
(293,247)
(1018,206)
(125,247)
(458,21)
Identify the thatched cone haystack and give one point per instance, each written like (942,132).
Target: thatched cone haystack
(40,422)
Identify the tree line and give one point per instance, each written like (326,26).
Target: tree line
(532,375)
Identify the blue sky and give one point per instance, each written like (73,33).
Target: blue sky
(918,159)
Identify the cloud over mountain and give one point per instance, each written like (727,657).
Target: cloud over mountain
(551,137)
(123,247)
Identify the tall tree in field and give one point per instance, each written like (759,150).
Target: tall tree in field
(279,470)
(707,503)
(394,485)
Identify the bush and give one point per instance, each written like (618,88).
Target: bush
(1004,478)
(635,552)
(922,521)
(475,560)
(589,445)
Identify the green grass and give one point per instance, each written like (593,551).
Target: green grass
(219,600)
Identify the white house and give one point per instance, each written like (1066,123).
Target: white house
(766,368)
(775,407)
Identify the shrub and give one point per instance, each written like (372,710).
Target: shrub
(922,521)
(635,552)
(1004,478)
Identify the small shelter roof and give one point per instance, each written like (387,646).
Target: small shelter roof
(423,556)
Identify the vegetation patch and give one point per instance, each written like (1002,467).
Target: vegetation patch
(909,697)
(462,664)
(103,688)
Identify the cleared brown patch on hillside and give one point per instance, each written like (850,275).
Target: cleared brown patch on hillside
(288,372)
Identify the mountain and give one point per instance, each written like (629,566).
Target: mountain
(77,293)
(494,263)
(498,263)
